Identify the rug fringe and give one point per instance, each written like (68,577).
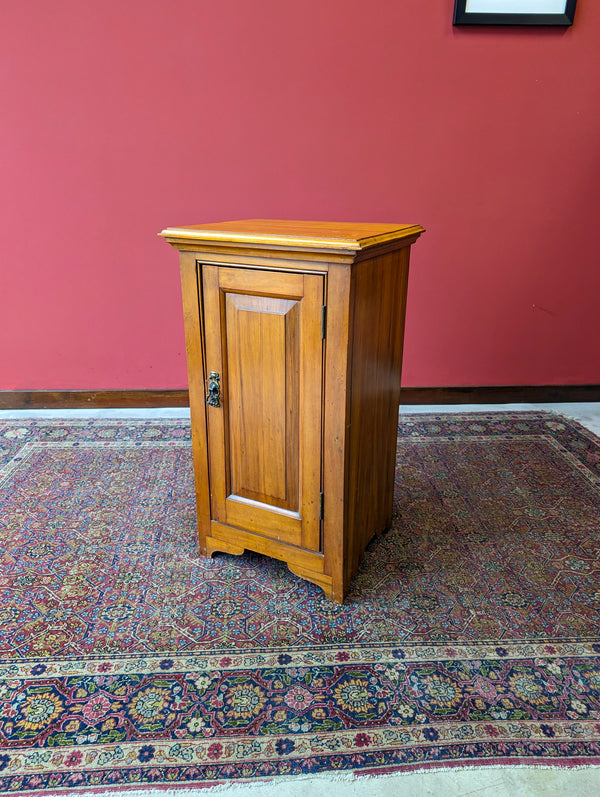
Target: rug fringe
(354,783)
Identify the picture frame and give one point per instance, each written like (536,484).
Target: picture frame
(514,12)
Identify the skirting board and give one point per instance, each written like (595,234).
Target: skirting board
(500,394)
(91,399)
(79,399)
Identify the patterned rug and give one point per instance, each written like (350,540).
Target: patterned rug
(470,635)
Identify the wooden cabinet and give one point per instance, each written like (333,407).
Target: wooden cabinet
(294,336)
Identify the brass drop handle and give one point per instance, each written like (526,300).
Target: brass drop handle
(213,397)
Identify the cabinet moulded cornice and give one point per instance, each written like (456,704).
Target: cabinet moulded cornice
(342,236)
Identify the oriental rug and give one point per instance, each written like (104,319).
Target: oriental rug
(470,635)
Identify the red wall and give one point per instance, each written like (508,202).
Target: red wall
(121,118)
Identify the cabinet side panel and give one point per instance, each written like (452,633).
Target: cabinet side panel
(379,302)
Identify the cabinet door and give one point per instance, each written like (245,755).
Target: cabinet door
(263,336)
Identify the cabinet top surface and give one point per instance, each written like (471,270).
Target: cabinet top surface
(278,232)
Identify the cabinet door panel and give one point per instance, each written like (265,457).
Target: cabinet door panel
(262,374)
(263,336)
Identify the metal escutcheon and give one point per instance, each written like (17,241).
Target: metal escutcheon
(213,397)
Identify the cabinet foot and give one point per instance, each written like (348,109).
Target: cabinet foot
(213,546)
(321,580)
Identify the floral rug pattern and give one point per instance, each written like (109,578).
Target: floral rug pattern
(470,635)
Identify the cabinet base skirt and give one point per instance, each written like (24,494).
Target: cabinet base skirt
(308,565)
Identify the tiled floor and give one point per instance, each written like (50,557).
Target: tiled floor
(587,413)
(487,782)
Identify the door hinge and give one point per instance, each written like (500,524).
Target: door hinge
(324,321)
(321,506)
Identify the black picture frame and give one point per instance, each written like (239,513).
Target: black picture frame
(464,17)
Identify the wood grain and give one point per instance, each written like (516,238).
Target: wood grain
(92,399)
(262,367)
(379,301)
(311,561)
(336,426)
(276,232)
(308,410)
(263,338)
(194,339)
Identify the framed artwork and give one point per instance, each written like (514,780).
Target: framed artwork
(514,12)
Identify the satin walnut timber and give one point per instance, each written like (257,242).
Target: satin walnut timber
(294,335)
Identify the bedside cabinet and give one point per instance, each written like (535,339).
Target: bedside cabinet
(294,334)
